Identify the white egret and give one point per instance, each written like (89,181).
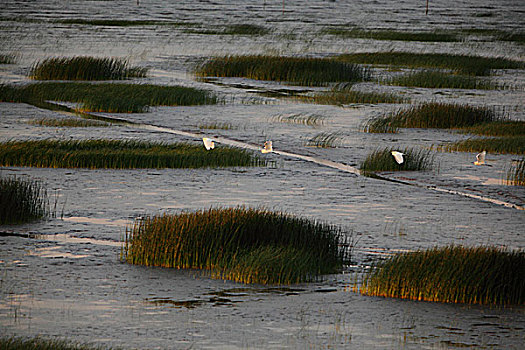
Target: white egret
(268,147)
(480,158)
(208,143)
(398,156)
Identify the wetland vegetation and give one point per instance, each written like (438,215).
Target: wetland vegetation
(241,244)
(38,343)
(344,95)
(84,68)
(382,160)
(516,173)
(119,154)
(386,34)
(439,80)
(22,200)
(68,122)
(453,274)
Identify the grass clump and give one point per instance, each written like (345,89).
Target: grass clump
(245,29)
(497,128)
(120,22)
(463,64)
(37,343)
(294,70)
(107,97)
(341,96)
(304,119)
(324,140)
(391,35)
(516,174)
(383,160)
(119,154)
(68,122)
(241,244)
(506,144)
(84,68)
(454,274)
(437,79)
(22,200)
(7,59)
(432,115)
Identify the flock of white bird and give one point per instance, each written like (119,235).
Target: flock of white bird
(398,156)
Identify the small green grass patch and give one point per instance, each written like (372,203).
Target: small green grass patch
(107,97)
(22,200)
(241,244)
(383,160)
(325,140)
(503,145)
(84,68)
(437,80)
(454,274)
(119,154)
(390,35)
(463,64)
(341,96)
(293,70)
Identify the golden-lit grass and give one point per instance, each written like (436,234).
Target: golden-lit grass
(454,274)
(241,244)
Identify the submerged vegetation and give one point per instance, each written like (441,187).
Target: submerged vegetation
(463,64)
(233,29)
(343,95)
(437,79)
(68,122)
(294,70)
(121,22)
(118,154)
(22,200)
(483,275)
(432,115)
(241,244)
(383,160)
(385,34)
(516,174)
(107,97)
(84,68)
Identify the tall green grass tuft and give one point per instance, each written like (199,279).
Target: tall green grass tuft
(454,274)
(107,97)
(463,64)
(382,160)
(505,144)
(437,80)
(84,68)
(22,200)
(516,174)
(433,115)
(294,70)
(241,244)
(118,154)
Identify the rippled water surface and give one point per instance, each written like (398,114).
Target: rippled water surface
(62,277)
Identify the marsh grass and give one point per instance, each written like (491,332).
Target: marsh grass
(38,343)
(504,145)
(437,79)
(463,64)
(325,140)
(107,97)
(233,29)
(216,126)
(497,128)
(433,115)
(68,122)
(241,244)
(314,120)
(84,68)
(516,174)
(119,154)
(382,160)
(453,274)
(341,96)
(294,70)
(7,59)
(121,22)
(22,200)
(390,35)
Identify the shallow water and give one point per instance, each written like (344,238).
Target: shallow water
(62,277)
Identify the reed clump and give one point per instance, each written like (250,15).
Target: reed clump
(516,174)
(119,154)
(68,122)
(504,145)
(453,274)
(325,140)
(436,79)
(241,244)
(22,200)
(433,115)
(84,68)
(383,160)
(107,97)
(463,64)
(294,70)
(314,120)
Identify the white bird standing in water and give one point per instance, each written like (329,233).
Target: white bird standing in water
(480,158)
(208,143)
(398,156)
(268,147)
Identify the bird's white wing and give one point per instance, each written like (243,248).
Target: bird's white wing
(398,156)
(481,157)
(208,143)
